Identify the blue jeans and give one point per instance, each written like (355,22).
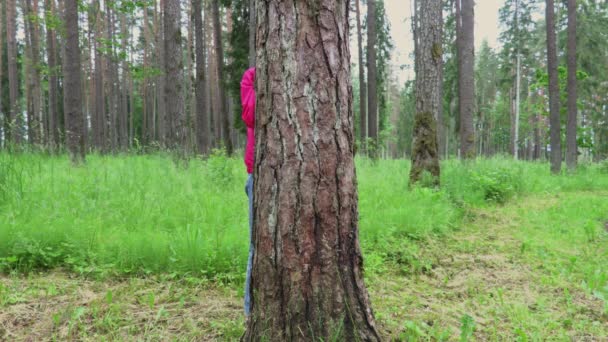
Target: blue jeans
(249,191)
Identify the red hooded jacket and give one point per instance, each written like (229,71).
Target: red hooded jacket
(248,103)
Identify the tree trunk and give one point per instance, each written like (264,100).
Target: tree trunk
(372,94)
(72,95)
(3,116)
(15,117)
(362,85)
(162,78)
(51,41)
(202,122)
(100,135)
(219,55)
(307,274)
(252,27)
(124,94)
(34,34)
(175,114)
(467,83)
(571,146)
(517,85)
(554,114)
(425,152)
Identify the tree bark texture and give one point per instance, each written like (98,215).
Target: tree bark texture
(571,128)
(554,114)
(202,121)
(72,98)
(467,83)
(425,151)
(362,85)
(35,125)
(219,55)
(3,116)
(372,78)
(174,98)
(15,116)
(307,272)
(162,78)
(252,28)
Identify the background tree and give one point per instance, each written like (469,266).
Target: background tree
(362,84)
(202,122)
(307,275)
(554,118)
(429,63)
(372,79)
(174,100)
(75,138)
(219,56)
(467,79)
(571,128)
(15,118)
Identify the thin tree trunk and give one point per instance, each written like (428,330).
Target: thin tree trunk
(362,85)
(219,55)
(53,80)
(174,94)
(3,116)
(571,128)
(146,110)
(425,151)
(34,30)
(99,116)
(467,83)
(124,94)
(72,97)
(307,272)
(554,114)
(162,107)
(372,75)
(202,122)
(518,85)
(15,117)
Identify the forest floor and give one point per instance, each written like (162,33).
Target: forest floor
(533,269)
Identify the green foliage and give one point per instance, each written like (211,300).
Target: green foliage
(498,184)
(467,328)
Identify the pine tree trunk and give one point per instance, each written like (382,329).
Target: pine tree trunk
(3,116)
(362,85)
(53,85)
(307,272)
(202,121)
(467,83)
(571,146)
(15,117)
(174,98)
(219,55)
(425,151)
(99,117)
(72,96)
(554,114)
(161,81)
(372,75)
(124,94)
(34,33)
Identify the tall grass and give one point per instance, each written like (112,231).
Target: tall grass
(143,214)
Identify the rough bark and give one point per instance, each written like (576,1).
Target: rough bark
(99,135)
(162,78)
(554,115)
(53,100)
(467,77)
(202,122)
(362,85)
(123,132)
(571,128)
(35,125)
(72,99)
(15,117)
(219,55)
(174,98)
(372,78)
(425,151)
(307,272)
(3,115)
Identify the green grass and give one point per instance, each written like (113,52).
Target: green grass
(504,251)
(143,214)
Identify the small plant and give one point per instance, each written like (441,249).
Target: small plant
(467,328)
